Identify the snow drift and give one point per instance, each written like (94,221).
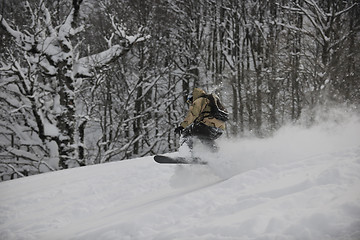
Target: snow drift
(303,183)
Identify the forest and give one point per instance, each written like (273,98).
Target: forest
(85,82)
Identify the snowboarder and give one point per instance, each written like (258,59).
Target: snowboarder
(200,121)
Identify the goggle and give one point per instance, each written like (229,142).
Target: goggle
(189,100)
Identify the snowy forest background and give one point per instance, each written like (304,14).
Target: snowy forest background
(86,82)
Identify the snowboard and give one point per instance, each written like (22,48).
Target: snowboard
(178,160)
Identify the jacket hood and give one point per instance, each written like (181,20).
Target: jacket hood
(198,92)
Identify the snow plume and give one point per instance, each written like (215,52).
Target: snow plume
(332,130)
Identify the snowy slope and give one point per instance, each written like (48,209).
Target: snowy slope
(300,184)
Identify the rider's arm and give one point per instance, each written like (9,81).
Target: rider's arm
(194,112)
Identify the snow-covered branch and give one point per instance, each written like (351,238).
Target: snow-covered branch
(14,169)
(47,20)
(21,39)
(318,18)
(316,22)
(86,65)
(120,31)
(318,11)
(337,14)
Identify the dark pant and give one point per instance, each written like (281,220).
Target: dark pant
(206,134)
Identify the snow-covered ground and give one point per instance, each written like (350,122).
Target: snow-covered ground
(303,183)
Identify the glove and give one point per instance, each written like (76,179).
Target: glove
(179,130)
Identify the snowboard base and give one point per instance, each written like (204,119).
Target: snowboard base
(178,160)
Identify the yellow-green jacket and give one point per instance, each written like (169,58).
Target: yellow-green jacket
(199,110)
